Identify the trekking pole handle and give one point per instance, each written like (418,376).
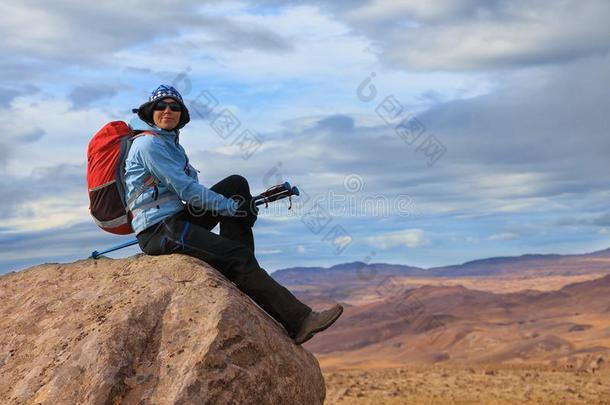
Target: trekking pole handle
(261,199)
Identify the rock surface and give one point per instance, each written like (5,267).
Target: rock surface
(144,330)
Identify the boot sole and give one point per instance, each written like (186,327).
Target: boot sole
(320,328)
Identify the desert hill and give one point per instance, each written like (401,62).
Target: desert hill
(453,324)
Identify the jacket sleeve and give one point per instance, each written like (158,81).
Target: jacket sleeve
(192,172)
(158,160)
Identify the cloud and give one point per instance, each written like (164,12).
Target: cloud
(477,34)
(58,33)
(269,251)
(32,136)
(6,151)
(597,220)
(601,220)
(10,145)
(504,236)
(279,49)
(411,238)
(336,123)
(472,239)
(45,131)
(531,138)
(82,96)
(496,35)
(447,11)
(228,35)
(9,92)
(7,95)
(48,197)
(71,36)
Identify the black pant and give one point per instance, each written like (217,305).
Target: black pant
(231,253)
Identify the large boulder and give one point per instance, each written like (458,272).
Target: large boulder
(144,330)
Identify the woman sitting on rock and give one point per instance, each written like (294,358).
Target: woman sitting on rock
(176,214)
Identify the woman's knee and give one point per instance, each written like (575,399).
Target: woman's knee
(239,184)
(232,186)
(238,180)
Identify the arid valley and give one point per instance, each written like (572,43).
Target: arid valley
(529,329)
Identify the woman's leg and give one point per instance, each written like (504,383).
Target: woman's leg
(233,259)
(234,228)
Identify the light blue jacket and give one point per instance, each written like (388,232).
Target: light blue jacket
(161,158)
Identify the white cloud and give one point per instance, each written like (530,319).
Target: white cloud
(476,34)
(301,249)
(383,10)
(498,185)
(319,46)
(57,32)
(411,238)
(49,213)
(472,239)
(504,236)
(269,251)
(67,132)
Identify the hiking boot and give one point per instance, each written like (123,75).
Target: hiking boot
(317,322)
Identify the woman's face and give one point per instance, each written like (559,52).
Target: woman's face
(163,115)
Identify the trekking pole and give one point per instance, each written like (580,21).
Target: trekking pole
(272,194)
(95,254)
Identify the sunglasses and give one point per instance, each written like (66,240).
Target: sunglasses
(162,105)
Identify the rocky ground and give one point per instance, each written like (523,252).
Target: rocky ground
(454,385)
(144,330)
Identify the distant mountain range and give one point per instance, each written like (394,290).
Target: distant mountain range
(528,264)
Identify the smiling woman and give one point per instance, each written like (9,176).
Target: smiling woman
(173,213)
(165,109)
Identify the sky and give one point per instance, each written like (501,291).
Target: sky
(419,133)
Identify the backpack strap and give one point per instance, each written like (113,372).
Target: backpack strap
(142,133)
(149,182)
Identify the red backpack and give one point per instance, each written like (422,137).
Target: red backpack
(106,156)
